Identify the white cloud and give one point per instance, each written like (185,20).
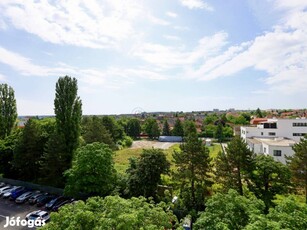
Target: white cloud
(177,57)
(171,14)
(196,4)
(172,37)
(110,78)
(94,24)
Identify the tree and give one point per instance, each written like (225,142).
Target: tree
(258,113)
(298,165)
(219,132)
(288,213)
(166,130)
(178,129)
(193,167)
(152,128)
(116,131)
(92,171)
(189,127)
(228,211)
(268,179)
(8,110)
(145,172)
(134,128)
(234,166)
(94,131)
(30,148)
(68,114)
(113,212)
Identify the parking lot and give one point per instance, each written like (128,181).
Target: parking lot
(10,209)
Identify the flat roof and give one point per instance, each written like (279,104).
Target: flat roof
(277,141)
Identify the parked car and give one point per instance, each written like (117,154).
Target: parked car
(59,204)
(23,197)
(9,192)
(2,184)
(34,197)
(38,215)
(17,192)
(4,189)
(43,200)
(53,202)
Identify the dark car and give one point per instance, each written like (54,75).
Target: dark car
(53,202)
(9,192)
(23,197)
(59,204)
(42,200)
(33,199)
(17,192)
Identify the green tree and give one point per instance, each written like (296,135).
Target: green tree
(193,167)
(134,128)
(92,171)
(209,131)
(219,132)
(189,127)
(234,166)
(30,148)
(112,212)
(68,114)
(288,213)
(8,110)
(152,128)
(166,130)
(94,131)
(210,119)
(228,211)
(145,172)
(116,131)
(298,165)
(268,179)
(258,113)
(178,129)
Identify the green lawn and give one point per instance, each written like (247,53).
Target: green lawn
(121,158)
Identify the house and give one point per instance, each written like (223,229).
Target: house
(275,137)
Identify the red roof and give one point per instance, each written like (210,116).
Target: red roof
(256,121)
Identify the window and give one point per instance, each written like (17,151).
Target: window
(270,125)
(272,134)
(299,124)
(276,153)
(264,149)
(261,133)
(299,134)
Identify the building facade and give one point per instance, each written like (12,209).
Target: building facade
(275,137)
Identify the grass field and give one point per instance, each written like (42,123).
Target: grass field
(121,158)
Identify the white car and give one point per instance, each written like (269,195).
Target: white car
(23,197)
(38,215)
(2,190)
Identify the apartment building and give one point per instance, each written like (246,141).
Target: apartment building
(275,137)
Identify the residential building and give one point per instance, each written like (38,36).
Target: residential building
(275,137)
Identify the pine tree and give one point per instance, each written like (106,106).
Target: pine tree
(166,129)
(178,129)
(298,165)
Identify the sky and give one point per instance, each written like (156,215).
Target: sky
(163,55)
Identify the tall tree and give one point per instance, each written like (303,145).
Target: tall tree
(134,128)
(178,129)
(258,113)
(219,135)
(298,165)
(116,131)
(8,110)
(166,130)
(189,127)
(68,114)
(152,128)
(95,131)
(92,171)
(193,167)
(145,172)
(234,166)
(268,179)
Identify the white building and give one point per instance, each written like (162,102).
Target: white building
(275,137)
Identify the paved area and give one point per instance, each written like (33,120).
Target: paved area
(151,144)
(11,209)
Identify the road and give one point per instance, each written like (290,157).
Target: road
(151,144)
(11,209)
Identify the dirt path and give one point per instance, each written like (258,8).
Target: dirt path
(151,144)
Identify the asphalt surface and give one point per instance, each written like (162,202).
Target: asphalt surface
(10,209)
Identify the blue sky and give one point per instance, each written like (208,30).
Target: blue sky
(174,55)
